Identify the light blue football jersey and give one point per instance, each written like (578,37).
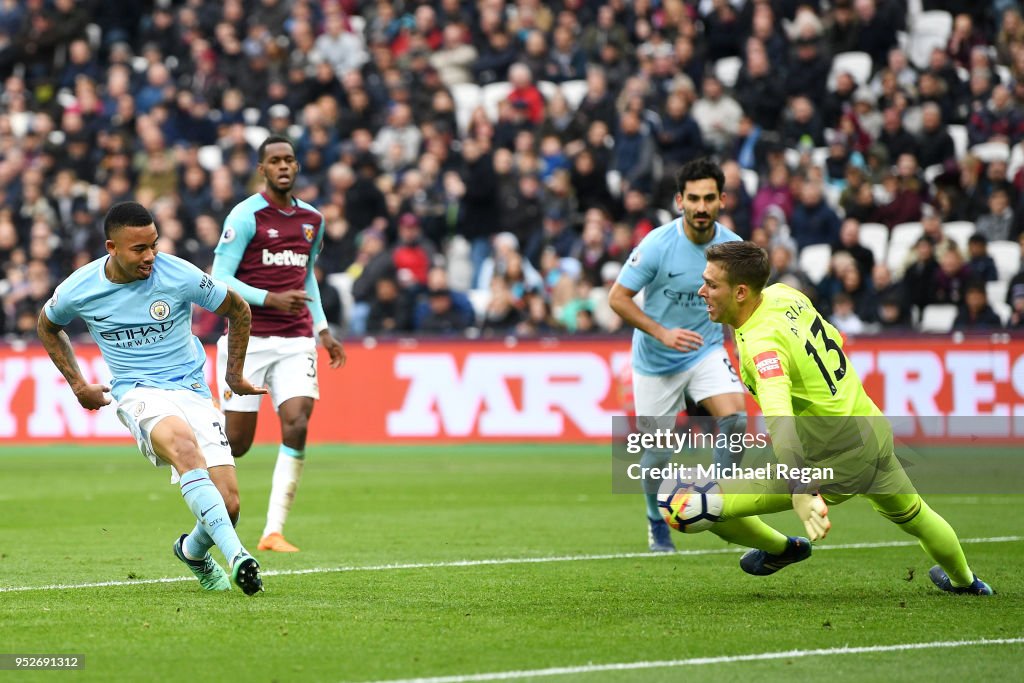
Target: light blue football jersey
(143,328)
(669,269)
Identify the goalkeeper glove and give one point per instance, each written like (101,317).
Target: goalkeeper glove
(813,512)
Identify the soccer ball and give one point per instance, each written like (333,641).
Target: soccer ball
(689,506)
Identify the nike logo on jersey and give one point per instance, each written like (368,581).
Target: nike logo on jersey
(101,319)
(677,274)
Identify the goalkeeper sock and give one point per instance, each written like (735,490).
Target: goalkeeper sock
(934,534)
(730,452)
(285,482)
(752,533)
(653,459)
(206,503)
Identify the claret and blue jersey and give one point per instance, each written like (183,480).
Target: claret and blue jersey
(669,269)
(143,328)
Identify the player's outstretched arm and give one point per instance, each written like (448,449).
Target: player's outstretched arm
(621,301)
(236,310)
(56,342)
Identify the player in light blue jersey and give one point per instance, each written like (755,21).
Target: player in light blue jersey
(677,350)
(137,304)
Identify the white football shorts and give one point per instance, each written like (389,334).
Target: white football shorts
(285,365)
(664,396)
(142,408)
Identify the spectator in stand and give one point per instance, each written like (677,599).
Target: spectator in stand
(844,317)
(999,119)
(849,241)
(454,60)
(876,33)
(813,220)
(717,114)
(919,278)
(443,318)
(998,223)
(975,312)
(802,127)
(633,154)
(759,89)
(775,192)
(982,267)
(934,143)
(951,278)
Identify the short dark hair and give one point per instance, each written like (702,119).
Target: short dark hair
(126,215)
(745,263)
(262,151)
(698,169)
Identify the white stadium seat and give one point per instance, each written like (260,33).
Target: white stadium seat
(1006,254)
(750,180)
(938,318)
(959,232)
(901,240)
(875,237)
(467,99)
(574,92)
(929,30)
(727,70)
(547,89)
(959,134)
(815,260)
(996,293)
(991,151)
(857,64)
(492,95)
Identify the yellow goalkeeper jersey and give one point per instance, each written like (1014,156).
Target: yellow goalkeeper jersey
(792,360)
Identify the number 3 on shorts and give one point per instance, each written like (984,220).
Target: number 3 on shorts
(223,436)
(312,366)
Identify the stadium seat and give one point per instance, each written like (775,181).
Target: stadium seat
(959,134)
(251,116)
(574,92)
(727,70)
(819,155)
(996,292)
(751,181)
(991,151)
(932,172)
(1004,73)
(938,318)
(664,216)
(480,298)
(959,232)
(492,94)
(255,135)
(547,89)
(815,260)
(901,239)
(1006,254)
(929,30)
(210,157)
(1016,160)
(342,282)
(467,99)
(857,64)
(358,24)
(875,237)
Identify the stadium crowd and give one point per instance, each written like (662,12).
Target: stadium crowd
(485,168)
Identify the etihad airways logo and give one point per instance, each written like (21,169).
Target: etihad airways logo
(138,335)
(284,258)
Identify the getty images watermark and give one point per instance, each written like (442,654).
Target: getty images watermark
(668,440)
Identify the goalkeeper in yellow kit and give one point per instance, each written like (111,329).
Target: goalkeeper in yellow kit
(817,413)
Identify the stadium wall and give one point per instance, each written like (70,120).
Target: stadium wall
(557,390)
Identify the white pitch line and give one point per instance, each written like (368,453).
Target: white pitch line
(504,561)
(701,661)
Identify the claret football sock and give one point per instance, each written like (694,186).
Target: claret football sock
(206,503)
(285,482)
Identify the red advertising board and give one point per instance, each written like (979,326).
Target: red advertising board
(566,390)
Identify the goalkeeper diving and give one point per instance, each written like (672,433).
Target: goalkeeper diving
(816,411)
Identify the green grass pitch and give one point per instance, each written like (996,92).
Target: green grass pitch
(72,516)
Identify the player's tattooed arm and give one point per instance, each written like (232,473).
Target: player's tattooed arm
(56,342)
(239,316)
